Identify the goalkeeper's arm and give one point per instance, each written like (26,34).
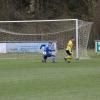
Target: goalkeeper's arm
(42,46)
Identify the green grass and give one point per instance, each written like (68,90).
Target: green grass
(26,79)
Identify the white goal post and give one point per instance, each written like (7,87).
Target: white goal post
(59,30)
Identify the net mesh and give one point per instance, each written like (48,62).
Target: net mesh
(84,33)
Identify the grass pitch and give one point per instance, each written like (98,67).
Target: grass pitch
(33,80)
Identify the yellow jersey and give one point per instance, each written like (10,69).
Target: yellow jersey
(69,45)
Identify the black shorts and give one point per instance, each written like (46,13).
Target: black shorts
(68,52)
(47,55)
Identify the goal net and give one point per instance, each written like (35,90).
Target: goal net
(25,33)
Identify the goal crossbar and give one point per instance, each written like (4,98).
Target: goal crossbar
(30,21)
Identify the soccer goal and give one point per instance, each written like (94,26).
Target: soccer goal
(25,37)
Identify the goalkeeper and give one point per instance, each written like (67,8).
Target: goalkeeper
(68,50)
(47,52)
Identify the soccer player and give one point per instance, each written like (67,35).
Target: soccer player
(47,51)
(68,50)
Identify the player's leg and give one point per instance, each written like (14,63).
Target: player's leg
(67,54)
(68,58)
(53,58)
(44,58)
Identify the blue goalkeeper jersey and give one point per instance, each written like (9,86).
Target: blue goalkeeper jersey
(46,49)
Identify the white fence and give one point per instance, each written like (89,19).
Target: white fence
(22,47)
